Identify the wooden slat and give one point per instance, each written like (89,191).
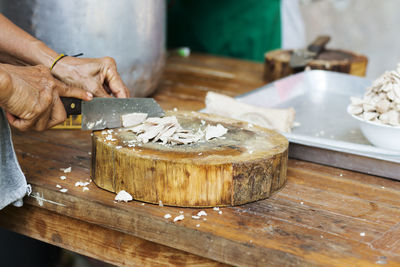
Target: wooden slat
(34,146)
(319,219)
(346,182)
(94,241)
(390,240)
(352,207)
(77,139)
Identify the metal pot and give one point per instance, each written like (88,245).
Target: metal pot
(130,31)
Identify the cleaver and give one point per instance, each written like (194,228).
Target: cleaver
(301,57)
(102,113)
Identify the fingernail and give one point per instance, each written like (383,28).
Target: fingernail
(90,95)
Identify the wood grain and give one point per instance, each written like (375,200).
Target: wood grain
(248,164)
(94,241)
(315,220)
(277,63)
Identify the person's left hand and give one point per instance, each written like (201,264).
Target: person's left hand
(96,75)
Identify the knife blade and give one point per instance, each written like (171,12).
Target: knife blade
(301,57)
(102,113)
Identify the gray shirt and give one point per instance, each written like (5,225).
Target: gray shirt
(13,186)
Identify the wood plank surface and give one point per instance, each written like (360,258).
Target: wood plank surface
(324,216)
(95,241)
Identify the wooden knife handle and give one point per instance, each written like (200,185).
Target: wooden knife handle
(319,44)
(72,105)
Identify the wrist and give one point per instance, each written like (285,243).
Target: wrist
(42,54)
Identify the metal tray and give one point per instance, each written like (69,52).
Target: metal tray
(327,134)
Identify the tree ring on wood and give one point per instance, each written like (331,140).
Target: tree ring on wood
(249,163)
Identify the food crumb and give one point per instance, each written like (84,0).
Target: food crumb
(167,216)
(123,196)
(118,147)
(142,204)
(67,170)
(160,203)
(197,225)
(82,184)
(90,153)
(204,219)
(175,109)
(362,234)
(220,212)
(181,212)
(58,186)
(382,260)
(63,177)
(201,213)
(85,188)
(216,208)
(179,218)
(302,203)
(195,217)
(63,190)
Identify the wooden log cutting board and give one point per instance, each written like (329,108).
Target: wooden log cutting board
(277,63)
(249,163)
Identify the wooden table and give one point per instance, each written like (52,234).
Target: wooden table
(324,216)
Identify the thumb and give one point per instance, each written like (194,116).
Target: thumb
(72,91)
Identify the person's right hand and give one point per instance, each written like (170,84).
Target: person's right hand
(30,97)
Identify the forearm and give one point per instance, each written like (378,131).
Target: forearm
(5,86)
(18,43)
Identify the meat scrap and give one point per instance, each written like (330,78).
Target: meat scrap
(132,119)
(167,130)
(123,196)
(215,131)
(381,102)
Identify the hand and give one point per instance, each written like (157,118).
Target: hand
(30,97)
(96,75)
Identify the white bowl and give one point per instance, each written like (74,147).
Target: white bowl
(380,135)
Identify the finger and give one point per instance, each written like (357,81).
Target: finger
(42,120)
(71,91)
(97,89)
(10,117)
(115,83)
(58,114)
(20,124)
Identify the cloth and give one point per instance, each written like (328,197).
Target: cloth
(281,120)
(13,186)
(235,28)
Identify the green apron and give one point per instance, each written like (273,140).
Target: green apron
(235,28)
